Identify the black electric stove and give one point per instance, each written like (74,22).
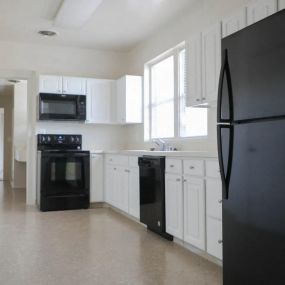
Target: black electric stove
(63,179)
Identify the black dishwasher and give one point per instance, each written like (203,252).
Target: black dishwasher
(152,194)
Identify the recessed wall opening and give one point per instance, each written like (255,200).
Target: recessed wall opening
(13,135)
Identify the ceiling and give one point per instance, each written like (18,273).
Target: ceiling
(117,25)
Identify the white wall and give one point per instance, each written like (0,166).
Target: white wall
(199,16)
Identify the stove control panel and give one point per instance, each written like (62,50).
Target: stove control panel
(55,141)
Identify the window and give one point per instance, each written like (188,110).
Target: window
(162,98)
(165,112)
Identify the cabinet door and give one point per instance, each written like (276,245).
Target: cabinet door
(50,84)
(134,193)
(74,85)
(174,205)
(194,212)
(110,185)
(133,99)
(96,175)
(214,198)
(260,9)
(194,71)
(214,237)
(121,100)
(234,22)
(100,94)
(122,189)
(211,62)
(281,5)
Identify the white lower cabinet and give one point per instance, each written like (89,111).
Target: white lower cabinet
(174,205)
(122,184)
(134,192)
(96,181)
(214,237)
(194,212)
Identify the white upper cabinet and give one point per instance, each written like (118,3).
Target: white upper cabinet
(74,85)
(129,99)
(234,22)
(281,5)
(174,205)
(50,84)
(194,71)
(100,97)
(194,212)
(260,9)
(211,62)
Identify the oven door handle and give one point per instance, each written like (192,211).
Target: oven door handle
(70,154)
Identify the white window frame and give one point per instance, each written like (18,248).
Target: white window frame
(147,94)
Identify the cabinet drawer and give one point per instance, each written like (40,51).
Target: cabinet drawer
(214,198)
(133,161)
(213,169)
(194,167)
(214,237)
(173,166)
(117,159)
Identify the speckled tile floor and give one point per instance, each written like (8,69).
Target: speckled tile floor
(96,246)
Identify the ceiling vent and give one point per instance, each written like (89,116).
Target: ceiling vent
(47,33)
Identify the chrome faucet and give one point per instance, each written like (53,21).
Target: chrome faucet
(161,144)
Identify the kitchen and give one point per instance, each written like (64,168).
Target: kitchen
(114,84)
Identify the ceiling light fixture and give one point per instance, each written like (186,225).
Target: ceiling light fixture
(74,13)
(47,33)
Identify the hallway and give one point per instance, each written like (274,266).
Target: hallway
(96,246)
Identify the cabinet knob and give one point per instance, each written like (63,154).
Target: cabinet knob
(171,165)
(220,201)
(220,241)
(178,179)
(204,98)
(198,100)
(185,180)
(115,168)
(192,167)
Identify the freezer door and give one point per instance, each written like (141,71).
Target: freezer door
(254,213)
(255,62)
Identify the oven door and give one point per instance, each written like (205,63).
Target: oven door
(62,107)
(65,173)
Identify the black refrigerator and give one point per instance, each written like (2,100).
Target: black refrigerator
(251,144)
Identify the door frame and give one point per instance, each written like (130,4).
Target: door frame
(32,86)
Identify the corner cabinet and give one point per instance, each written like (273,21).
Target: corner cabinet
(261,9)
(100,98)
(211,62)
(129,99)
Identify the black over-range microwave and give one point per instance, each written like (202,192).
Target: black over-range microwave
(62,107)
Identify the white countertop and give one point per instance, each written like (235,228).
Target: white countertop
(212,154)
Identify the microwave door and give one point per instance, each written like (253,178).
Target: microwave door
(58,107)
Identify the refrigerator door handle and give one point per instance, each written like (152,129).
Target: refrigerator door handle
(225,173)
(225,71)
